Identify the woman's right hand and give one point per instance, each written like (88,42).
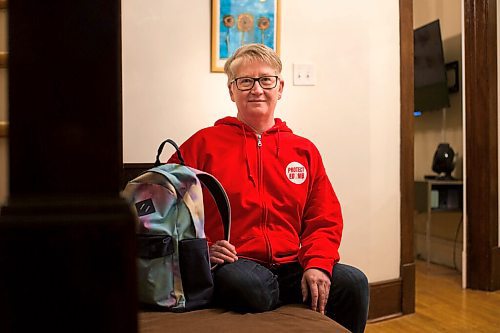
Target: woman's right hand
(222,251)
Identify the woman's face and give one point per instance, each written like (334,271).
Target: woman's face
(256,103)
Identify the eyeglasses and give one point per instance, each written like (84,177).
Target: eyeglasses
(247,83)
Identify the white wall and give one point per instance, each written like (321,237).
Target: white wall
(352,113)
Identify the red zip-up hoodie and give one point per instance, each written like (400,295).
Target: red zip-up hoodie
(283,206)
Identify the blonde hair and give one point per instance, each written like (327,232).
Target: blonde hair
(252,52)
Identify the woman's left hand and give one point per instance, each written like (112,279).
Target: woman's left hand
(317,283)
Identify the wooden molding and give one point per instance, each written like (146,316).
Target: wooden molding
(408,288)
(495,262)
(385,300)
(4,129)
(3,59)
(3,4)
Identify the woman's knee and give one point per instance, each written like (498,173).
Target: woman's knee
(349,297)
(246,286)
(351,282)
(349,276)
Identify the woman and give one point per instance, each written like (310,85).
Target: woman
(286,219)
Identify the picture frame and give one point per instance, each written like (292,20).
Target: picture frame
(239,22)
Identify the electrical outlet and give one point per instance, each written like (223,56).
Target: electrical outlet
(304,75)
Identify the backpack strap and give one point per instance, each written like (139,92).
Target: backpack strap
(219,194)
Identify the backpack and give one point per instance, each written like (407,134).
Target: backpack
(173,263)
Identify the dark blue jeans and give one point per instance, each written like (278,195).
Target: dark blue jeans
(246,286)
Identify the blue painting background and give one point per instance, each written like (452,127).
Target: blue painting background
(230,38)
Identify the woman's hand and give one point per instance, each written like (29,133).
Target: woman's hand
(222,251)
(317,283)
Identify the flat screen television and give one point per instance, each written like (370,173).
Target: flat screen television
(431,84)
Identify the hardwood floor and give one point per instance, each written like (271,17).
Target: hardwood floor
(443,306)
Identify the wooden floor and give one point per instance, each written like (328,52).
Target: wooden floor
(443,306)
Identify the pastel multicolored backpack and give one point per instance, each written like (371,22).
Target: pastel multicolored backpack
(173,264)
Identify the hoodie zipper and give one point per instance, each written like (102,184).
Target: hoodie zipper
(264,206)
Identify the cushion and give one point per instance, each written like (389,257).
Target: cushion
(286,319)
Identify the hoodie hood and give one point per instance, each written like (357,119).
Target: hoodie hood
(279,125)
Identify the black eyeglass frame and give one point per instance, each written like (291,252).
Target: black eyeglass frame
(235,81)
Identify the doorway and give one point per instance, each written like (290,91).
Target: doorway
(438,229)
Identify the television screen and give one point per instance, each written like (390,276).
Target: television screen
(431,85)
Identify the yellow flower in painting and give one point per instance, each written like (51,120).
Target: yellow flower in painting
(228,20)
(245,22)
(263,23)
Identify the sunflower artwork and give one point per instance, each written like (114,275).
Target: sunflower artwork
(239,22)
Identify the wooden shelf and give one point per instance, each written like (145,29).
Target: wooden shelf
(3,59)
(434,196)
(4,126)
(4,129)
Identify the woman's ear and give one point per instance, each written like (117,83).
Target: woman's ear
(231,94)
(280,89)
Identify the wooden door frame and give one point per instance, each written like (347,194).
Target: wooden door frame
(481,142)
(481,147)
(407,268)
(64,214)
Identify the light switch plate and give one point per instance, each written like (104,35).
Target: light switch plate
(304,75)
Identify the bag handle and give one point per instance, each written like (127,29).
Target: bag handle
(160,149)
(221,200)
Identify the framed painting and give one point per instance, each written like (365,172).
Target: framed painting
(239,22)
